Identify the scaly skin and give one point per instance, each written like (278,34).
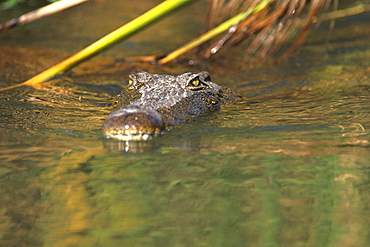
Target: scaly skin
(152,103)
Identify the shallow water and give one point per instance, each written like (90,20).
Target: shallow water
(286,166)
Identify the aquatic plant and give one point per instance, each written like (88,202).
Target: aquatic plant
(265,24)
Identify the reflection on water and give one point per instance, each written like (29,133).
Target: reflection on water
(287,170)
(288,166)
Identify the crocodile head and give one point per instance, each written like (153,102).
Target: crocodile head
(152,103)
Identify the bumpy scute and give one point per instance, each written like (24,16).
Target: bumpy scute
(152,103)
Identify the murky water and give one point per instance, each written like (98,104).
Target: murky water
(287,166)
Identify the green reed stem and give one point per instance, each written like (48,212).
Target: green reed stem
(213,32)
(107,41)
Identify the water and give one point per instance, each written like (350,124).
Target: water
(286,166)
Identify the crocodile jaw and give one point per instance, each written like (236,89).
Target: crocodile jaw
(133,123)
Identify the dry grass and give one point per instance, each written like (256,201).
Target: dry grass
(265,31)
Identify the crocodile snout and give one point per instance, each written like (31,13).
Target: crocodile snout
(133,123)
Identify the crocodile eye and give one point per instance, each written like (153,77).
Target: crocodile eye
(130,84)
(195,84)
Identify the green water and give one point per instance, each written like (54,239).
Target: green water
(287,166)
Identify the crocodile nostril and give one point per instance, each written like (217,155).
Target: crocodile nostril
(133,123)
(152,103)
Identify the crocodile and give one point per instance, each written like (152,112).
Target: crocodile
(153,103)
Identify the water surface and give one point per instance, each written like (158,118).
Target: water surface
(286,166)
